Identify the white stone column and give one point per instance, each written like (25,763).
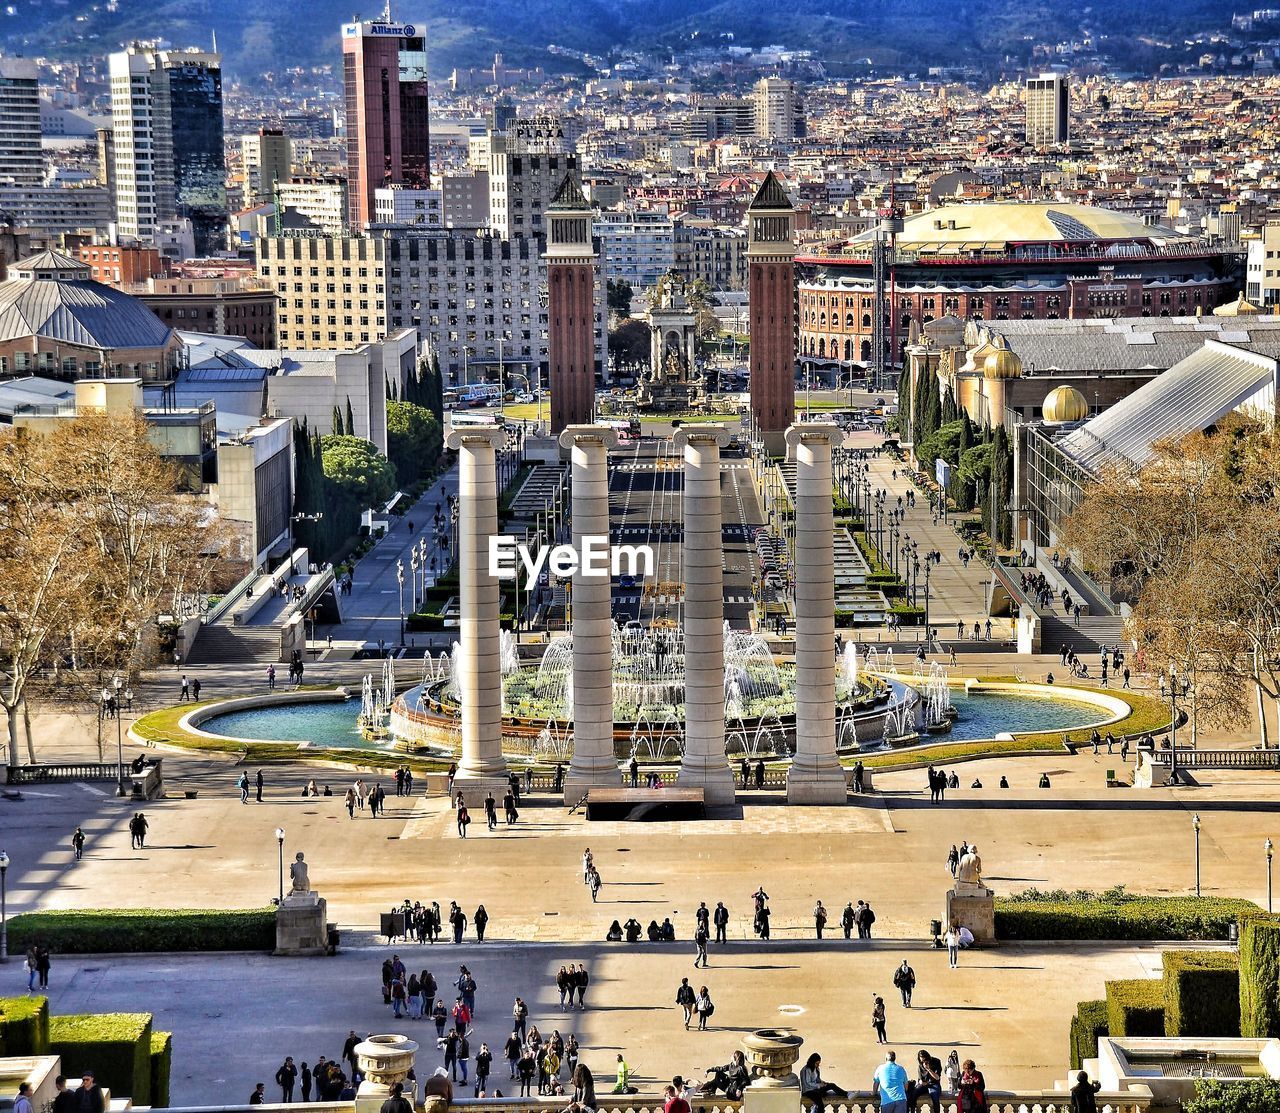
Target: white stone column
(482,766)
(594,762)
(815,776)
(704,764)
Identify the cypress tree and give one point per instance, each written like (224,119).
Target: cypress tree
(337,421)
(351,420)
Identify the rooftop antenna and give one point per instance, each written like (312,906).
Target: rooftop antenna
(215,41)
(386,12)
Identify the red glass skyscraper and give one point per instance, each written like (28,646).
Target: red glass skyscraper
(384,68)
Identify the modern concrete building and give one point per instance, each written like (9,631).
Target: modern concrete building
(384,68)
(571,307)
(521,185)
(771,290)
(267,158)
(331,290)
(167,157)
(705,252)
(400,204)
(779,109)
(21,162)
(636,246)
(1262,286)
(311,204)
(255,486)
(1048,110)
(57,208)
(465,198)
(221,306)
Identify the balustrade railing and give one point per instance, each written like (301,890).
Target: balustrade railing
(1220,759)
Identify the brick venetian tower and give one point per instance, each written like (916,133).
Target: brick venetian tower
(571,307)
(771,256)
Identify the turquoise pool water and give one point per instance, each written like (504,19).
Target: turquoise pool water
(982,715)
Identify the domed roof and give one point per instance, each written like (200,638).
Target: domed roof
(1002,364)
(49,296)
(1064,404)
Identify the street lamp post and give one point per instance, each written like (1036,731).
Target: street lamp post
(1270,849)
(413,579)
(4,911)
(117,684)
(280,844)
(400,582)
(1195,826)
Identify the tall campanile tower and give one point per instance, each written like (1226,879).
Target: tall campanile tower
(771,256)
(571,307)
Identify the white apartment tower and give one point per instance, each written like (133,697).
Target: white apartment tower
(779,109)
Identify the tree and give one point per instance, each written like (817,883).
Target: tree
(619,294)
(414,440)
(94,541)
(629,345)
(351,420)
(353,465)
(1193,535)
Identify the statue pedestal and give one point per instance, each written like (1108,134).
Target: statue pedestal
(301,927)
(385,1060)
(974,907)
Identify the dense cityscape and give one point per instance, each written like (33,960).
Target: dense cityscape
(759,538)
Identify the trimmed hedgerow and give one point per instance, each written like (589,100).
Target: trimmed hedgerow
(1260,976)
(124,930)
(1087,1026)
(1201,993)
(161,1068)
(24,1026)
(115,1046)
(1115,914)
(1135,1007)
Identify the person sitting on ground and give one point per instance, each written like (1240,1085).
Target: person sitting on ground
(731,1079)
(966,937)
(668,931)
(1004,782)
(976,783)
(634,930)
(654,933)
(614,934)
(1044,780)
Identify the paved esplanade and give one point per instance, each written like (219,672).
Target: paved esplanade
(704,764)
(482,768)
(593,761)
(815,775)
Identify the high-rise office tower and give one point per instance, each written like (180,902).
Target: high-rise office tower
(571,307)
(1048,118)
(771,258)
(384,69)
(267,158)
(20,160)
(166,124)
(522,183)
(779,109)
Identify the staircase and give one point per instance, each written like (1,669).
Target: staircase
(1087,639)
(221,644)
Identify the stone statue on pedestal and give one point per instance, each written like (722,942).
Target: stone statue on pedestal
(969,871)
(299,874)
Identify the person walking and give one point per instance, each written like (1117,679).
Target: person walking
(904,981)
(511,1050)
(581,981)
(484,1064)
(866,918)
(595,884)
(286,1076)
(258,780)
(77,843)
(704,1007)
(271,678)
(847,919)
(686,998)
(481,921)
(185,693)
(952,941)
(563,984)
(819,919)
(889,1084)
(878,1019)
(304,1081)
(464,821)
(242,783)
(520,1017)
(509,808)
(491,812)
(700,944)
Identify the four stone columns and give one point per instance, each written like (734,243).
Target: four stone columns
(482,767)
(815,776)
(594,762)
(704,764)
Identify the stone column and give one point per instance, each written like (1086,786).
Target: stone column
(482,767)
(815,776)
(384,1060)
(704,764)
(594,762)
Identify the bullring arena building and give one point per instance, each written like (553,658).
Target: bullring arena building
(1006,261)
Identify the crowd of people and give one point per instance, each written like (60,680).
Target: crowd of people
(415,921)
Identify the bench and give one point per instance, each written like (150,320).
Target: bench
(639,804)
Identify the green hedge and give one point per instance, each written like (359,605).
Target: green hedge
(24,1026)
(1087,1026)
(115,1046)
(123,930)
(1201,993)
(1249,1095)
(1135,1008)
(1115,914)
(1260,976)
(161,1068)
